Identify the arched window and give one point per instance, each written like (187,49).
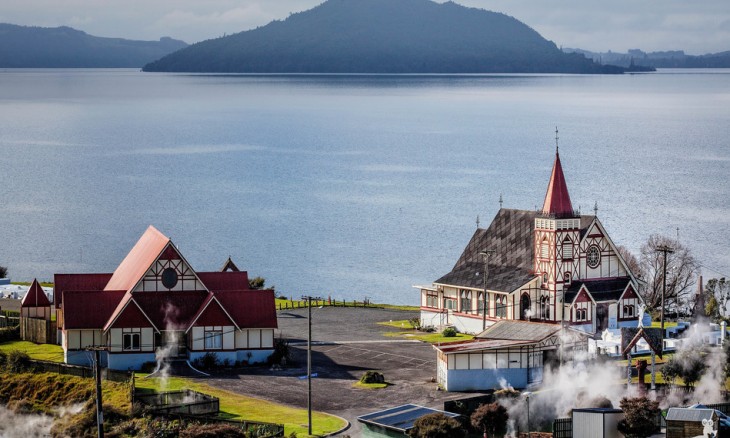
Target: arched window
(567,278)
(480,303)
(544,279)
(466,301)
(545,307)
(567,249)
(501,306)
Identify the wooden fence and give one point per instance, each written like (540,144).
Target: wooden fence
(79,371)
(9,321)
(291,304)
(563,428)
(38,331)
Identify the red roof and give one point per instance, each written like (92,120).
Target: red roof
(89,309)
(173,310)
(77,282)
(128,316)
(211,313)
(557,200)
(138,261)
(230,280)
(35,296)
(250,308)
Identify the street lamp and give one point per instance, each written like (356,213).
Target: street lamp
(527,395)
(309,362)
(485,254)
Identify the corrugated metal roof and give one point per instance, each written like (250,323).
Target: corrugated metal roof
(230,280)
(605,289)
(138,261)
(77,282)
(250,308)
(519,331)
(688,414)
(35,297)
(400,418)
(478,345)
(89,309)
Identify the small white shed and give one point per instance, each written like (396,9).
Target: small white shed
(597,423)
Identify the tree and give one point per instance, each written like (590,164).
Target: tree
(640,415)
(3,272)
(631,261)
(257,283)
(436,425)
(717,291)
(490,418)
(689,365)
(681,271)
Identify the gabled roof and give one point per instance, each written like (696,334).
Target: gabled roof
(171,310)
(511,236)
(89,309)
(515,330)
(128,314)
(77,282)
(557,200)
(35,297)
(250,308)
(138,261)
(211,312)
(602,289)
(479,344)
(229,266)
(690,414)
(631,335)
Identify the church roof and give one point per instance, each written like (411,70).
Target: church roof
(602,289)
(77,282)
(510,235)
(229,266)
(89,309)
(35,297)
(557,200)
(138,261)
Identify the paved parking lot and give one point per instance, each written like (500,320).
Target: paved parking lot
(347,342)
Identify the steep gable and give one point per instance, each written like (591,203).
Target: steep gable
(144,253)
(35,297)
(169,272)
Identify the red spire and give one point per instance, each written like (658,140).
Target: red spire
(557,200)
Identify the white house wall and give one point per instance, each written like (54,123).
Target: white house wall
(198,338)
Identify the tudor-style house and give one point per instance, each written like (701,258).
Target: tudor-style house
(547,266)
(156,302)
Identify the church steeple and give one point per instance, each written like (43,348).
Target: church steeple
(557,200)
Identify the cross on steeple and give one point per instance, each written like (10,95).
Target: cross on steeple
(557,148)
(477,221)
(595,209)
(501,201)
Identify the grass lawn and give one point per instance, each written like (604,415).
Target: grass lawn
(667,324)
(236,406)
(431,338)
(664,359)
(283,302)
(370,385)
(49,352)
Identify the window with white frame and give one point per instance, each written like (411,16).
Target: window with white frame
(131,340)
(544,248)
(480,303)
(449,303)
(545,307)
(466,301)
(567,249)
(501,306)
(432,299)
(213,338)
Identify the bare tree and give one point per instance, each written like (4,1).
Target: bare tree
(681,272)
(720,291)
(631,261)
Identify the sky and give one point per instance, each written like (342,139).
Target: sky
(697,27)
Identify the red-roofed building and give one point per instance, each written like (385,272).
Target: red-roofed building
(156,303)
(35,303)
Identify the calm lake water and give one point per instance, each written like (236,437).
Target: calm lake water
(349,186)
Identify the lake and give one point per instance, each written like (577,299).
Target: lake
(350,186)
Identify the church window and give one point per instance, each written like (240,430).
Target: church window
(567,278)
(466,301)
(481,304)
(169,278)
(501,306)
(545,307)
(544,279)
(628,311)
(567,249)
(449,303)
(544,249)
(593,256)
(432,299)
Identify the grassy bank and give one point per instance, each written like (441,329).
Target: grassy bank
(284,303)
(409,332)
(47,352)
(236,406)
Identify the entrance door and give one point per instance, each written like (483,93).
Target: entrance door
(525,307)
(601,317)
(174,344)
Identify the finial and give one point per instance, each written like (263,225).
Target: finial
(595,209)
(557,148)
(677,234)
(477,221)
(501,201)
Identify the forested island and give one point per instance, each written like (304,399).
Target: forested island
(64,47)
(383,36)
(664,59)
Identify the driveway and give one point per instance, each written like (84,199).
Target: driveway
(346,343)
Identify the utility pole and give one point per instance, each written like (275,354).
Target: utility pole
(485,254)
(665,250)
(309,363)
(99,411)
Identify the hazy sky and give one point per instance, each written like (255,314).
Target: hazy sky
(694,26)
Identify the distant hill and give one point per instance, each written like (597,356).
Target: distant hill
(666,59)
(64,47)
(382,36)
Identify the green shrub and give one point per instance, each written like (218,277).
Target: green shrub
(211,431)
(436,425)
(17,361)
(449,332)
(372,377)
(9,334)
(208,362)
(281,352)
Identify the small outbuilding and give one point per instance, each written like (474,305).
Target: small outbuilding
(597,423)
(395,422)
(687,422)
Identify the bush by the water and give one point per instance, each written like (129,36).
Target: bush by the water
(372,377)
(449,332)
